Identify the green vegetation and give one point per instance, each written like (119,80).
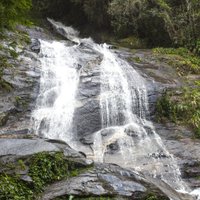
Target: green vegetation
(182,59)
(13,12)
(152,196)
(11,188)
(46,168)
(182,107)
(158,22)
(131,42)
(43,168)
(6,55)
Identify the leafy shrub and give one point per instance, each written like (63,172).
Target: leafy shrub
(46,168)
(11,188)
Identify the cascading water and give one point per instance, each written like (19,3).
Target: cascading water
(124,107)
(127,136)
(56,101)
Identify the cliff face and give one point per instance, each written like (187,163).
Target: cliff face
(23,79)
(106,180)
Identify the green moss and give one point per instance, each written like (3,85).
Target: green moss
(20,102)
(43,168)
(152,197)
(4,52)
(165,109)
(12,188)
(3,118)
(46,168)
(4,85)
(21,164)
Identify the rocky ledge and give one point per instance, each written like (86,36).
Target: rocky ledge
(48,169)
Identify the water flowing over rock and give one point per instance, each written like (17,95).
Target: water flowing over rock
(98,104)
(59,79)
(95,180)
(124,106)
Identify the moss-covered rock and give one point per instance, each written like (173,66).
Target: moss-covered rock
(3,118)
(25,177)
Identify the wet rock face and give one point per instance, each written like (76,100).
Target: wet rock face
(100,179)
(104,180)
(88,119)
(105,183)
(35,45)
(23,147)
(16,105)
(186,151)
(87,116)
(113,148)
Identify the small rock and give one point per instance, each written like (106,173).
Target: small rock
(26,178)
(35,46)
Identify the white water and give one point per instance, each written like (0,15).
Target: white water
(58,84)
(124,108)
(123,91)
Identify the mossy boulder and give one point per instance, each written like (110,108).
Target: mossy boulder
(28,171)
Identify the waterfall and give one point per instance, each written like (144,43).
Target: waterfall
(58,83)
(127,137)
(124,108)
(122,97)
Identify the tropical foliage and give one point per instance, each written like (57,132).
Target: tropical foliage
(182,107)
(178,21)
(13,12)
